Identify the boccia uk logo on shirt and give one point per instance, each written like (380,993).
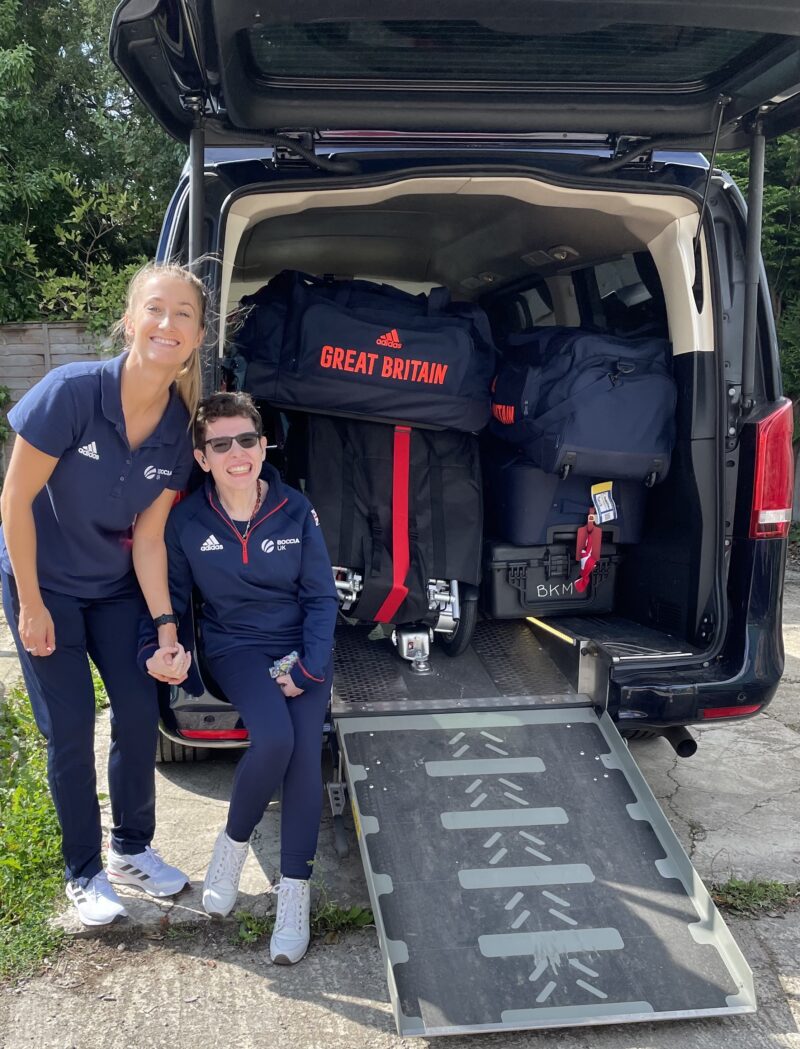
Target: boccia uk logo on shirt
(151,472)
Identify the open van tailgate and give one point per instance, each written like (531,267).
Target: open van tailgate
(523,876)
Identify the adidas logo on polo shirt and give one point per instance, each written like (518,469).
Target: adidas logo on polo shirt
(212,543)
(89,450)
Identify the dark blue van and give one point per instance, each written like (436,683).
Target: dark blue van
(552,163)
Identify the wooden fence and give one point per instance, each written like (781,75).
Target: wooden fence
(29,351)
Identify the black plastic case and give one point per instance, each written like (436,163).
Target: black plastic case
(540,580)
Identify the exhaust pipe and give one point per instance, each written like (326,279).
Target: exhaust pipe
(681,740)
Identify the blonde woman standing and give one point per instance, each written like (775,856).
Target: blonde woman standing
(101,445)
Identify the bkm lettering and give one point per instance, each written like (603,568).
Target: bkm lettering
(554,590)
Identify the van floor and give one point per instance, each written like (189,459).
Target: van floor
(505,666)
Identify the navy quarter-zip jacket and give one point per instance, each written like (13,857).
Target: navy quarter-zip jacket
(273,590)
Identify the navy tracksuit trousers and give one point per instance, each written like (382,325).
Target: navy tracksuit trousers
(285,738)
(62,696)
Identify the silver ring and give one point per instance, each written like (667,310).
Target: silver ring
(29,650)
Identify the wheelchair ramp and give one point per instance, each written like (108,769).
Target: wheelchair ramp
(523,876)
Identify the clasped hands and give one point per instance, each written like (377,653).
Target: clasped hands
(170,664)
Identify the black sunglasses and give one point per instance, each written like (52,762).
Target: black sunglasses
(249,439)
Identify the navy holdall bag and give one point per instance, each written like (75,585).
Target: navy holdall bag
(356,348)
(589,403)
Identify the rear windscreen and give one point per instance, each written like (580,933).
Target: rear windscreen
(501,51)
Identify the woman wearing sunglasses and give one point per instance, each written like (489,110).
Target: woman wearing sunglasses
(253,548)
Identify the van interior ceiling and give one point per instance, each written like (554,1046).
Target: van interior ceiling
(533,253)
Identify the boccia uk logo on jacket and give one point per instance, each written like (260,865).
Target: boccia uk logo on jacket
(278,544)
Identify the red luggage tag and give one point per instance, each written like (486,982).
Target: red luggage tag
(587,550)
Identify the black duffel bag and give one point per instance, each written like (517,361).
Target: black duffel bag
(589,403)
(366,350)
(400,506)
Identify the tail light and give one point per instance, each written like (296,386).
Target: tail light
(731,712)
(214,734)
(774,475)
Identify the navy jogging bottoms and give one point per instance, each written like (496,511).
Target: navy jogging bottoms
(285,749)
(62,697)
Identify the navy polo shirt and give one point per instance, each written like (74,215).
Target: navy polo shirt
(85,513)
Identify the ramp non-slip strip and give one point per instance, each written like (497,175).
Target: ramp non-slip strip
(503,818)
(483,766)
(514,877)
(550,943)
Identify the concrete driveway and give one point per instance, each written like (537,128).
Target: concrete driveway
(171,978)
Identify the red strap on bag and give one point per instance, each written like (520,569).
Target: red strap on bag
(401,557)
(587,550)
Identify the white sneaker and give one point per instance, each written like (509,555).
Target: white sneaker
(221,884)
(96,902)
(146,870)
(291,935)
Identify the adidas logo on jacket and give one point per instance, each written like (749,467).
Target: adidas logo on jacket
(274,589)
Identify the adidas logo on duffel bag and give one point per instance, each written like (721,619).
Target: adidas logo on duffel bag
(391,339)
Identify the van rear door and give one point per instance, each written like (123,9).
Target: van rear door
(627,67)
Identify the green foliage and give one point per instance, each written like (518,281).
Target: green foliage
(780,243)
(750,897)
(331,918)
(30,858)
(252,927)
(85,173)
(100,695)
(327,920)
(31,865)
(93,288)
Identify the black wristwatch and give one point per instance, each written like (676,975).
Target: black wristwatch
(168,617)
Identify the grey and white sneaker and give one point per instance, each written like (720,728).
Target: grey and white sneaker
(96,902)
(291,934)
(221,884)
(145,870)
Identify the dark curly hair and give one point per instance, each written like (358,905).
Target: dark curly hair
(224,406)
